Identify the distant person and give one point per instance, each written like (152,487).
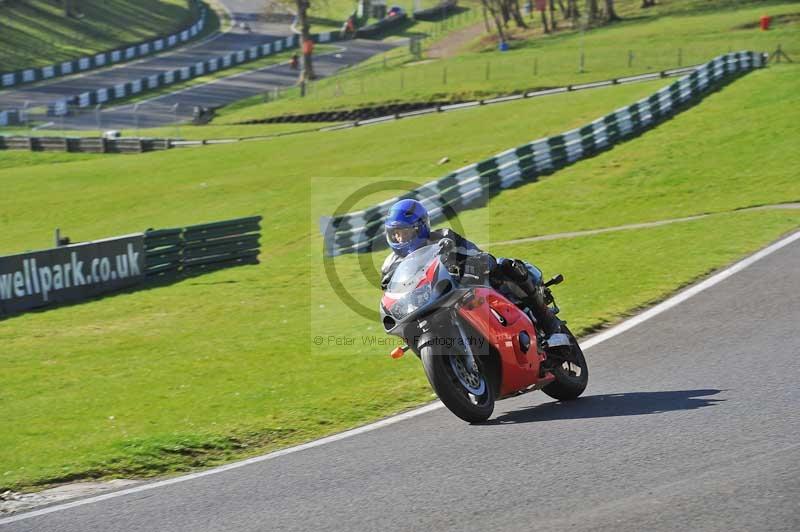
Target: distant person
(349,27)
(295,61)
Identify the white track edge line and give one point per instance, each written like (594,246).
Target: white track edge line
(594,340)
(682,296)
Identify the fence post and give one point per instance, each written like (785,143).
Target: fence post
(97,117)
(582,63)
(630,58)
(177,124)
(136,117)
(25,114)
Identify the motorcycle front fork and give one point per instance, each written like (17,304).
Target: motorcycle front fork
(468,355)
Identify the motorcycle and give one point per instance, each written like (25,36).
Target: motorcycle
(477,345)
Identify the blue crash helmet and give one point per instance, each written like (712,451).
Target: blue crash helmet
(407,226)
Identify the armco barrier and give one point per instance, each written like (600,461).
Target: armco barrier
(104,59)
(132,88)
(84,144)
(197,249)
(472,185)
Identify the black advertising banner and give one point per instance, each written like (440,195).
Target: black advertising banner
(70,273)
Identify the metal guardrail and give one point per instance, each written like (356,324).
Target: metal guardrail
(472,185)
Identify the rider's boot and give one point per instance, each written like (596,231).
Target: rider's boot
(535,299)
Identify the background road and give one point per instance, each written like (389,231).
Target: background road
(689,423)
(249,11)
(161,110)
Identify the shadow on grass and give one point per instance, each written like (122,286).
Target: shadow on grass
(322,21)
(405,28)
(440,15)
(149,283)
(611,405)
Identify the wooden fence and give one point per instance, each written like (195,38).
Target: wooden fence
(197,249)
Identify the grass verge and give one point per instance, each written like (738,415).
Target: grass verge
(163,380)
(689,34)
(36,32)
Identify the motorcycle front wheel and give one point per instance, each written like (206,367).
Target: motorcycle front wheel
(571,372)
(466,393)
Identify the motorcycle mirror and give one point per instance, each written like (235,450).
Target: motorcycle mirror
(555,280)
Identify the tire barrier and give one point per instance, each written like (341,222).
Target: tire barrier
(361,113)
(84,144)
(473,185)
(13,117)
(375,114)
(110,57)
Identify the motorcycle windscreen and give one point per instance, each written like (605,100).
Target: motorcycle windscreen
(410,285)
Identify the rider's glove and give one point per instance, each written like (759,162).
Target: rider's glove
(447,248)
(446,245)
(479,265)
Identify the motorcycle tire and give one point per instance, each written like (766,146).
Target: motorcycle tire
(451,392)
(568,385)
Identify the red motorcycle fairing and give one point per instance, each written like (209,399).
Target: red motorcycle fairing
(520,370)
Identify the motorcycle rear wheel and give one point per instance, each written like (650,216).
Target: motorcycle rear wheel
(572,375)
(441,373)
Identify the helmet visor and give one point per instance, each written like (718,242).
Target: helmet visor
(401,235)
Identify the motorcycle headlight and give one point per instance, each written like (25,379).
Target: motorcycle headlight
(412,301)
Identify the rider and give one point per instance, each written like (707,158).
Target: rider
(408,229)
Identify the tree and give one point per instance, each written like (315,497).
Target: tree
(307,73)
(611,15)
(516,13)
(492,6)
(592,10)
(502,11)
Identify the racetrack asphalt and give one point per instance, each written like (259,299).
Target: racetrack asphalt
(689,423)
(163,110)
(260,31)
